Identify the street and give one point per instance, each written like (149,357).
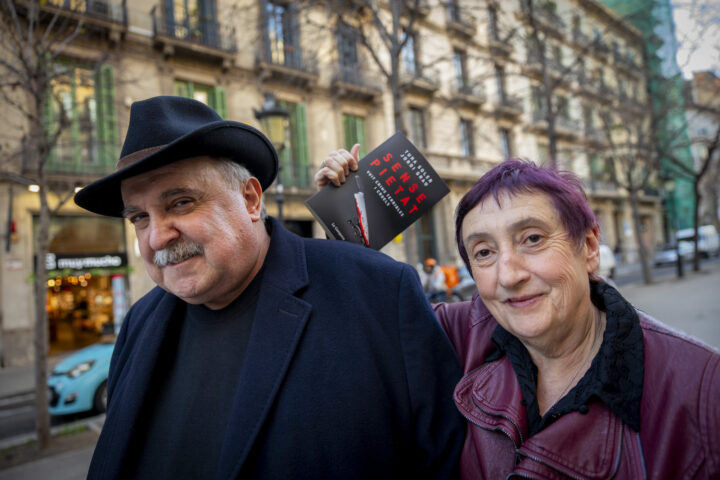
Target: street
(691,305)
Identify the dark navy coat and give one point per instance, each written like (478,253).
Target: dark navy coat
(347,373)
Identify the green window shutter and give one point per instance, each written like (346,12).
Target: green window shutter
(348,131)
(354,128)
(302,152)
(107,134)
(217,101)
(360,135)
(76,162)
(181,89)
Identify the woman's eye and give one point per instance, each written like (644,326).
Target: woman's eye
(534,238)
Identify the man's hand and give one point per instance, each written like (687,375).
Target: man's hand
(337,166)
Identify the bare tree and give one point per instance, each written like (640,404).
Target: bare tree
(34,35)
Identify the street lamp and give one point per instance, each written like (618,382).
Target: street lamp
(274,122)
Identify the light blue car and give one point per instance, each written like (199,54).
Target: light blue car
(79,382)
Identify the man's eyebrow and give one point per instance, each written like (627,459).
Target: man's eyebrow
(179,191)
(129,210)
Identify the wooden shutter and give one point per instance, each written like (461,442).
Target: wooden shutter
(302,153)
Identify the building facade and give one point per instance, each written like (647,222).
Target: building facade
(702,100)
(477,82)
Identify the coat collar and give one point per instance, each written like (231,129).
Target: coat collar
(280,319)
(580,446)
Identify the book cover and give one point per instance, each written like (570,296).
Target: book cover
(392,188)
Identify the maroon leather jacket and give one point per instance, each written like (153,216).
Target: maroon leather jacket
(679,434)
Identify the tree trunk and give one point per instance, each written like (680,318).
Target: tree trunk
(647,272)
(696,223)
(42,415)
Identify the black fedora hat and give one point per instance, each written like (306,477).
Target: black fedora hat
(166,129)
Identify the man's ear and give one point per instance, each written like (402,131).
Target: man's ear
(592,249)
(252,193)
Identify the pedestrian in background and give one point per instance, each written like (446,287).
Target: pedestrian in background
(260,354)
(563,377)
(432,279)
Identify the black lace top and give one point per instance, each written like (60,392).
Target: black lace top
(615,376)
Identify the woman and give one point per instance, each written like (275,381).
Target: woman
(563,377)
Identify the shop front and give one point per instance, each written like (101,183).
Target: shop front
(87,280)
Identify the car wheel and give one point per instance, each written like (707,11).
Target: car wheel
(100,400)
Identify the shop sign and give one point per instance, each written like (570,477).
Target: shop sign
(55,261)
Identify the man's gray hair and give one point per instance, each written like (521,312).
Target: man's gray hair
(236,175)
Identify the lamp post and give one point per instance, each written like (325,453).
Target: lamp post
(274,122)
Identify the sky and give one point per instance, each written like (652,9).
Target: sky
(697,27)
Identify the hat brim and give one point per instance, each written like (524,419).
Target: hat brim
(226,139)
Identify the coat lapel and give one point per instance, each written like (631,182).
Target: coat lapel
(135,384)
(280,319)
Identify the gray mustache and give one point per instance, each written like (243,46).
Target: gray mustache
(176,253)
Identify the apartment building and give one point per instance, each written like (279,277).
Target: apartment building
(472,82)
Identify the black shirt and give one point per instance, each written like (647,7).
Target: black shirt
(615,376)
(188,416)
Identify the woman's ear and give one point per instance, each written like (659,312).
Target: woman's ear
(592,249)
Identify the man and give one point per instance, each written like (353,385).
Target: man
(260,354)
(432,279)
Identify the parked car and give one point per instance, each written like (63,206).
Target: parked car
(708,239)
(79,382)
(607,262)
(667,254)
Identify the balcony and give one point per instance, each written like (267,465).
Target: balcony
(355,82)
(286,63)
(422,8)
(626,64)
(594,137)
(420,81)
(545,16)
(600,49)
(201,39)
(107,16)
(498,46)
(565,127)
(78,159)
(509,107)
(580,39)
(468,96)
(460,22)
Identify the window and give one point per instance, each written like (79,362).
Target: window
(453,9)
(588,118)
(466,138)
(347,53)
(89,144)
(427,247)
(409,61)
(500,81)
(192,20)
(493,23)
(505,145)
(543,154)
(557,56)
(354,128)
(416,119)
(282,34)
(563,108)
(295,157)
(214,97)
(460,72)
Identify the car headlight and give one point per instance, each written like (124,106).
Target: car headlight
(80,368)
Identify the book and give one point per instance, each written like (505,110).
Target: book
(393,187)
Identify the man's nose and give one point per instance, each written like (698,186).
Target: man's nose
(511,269)
(162,233)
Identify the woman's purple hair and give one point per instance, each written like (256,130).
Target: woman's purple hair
(516,176)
